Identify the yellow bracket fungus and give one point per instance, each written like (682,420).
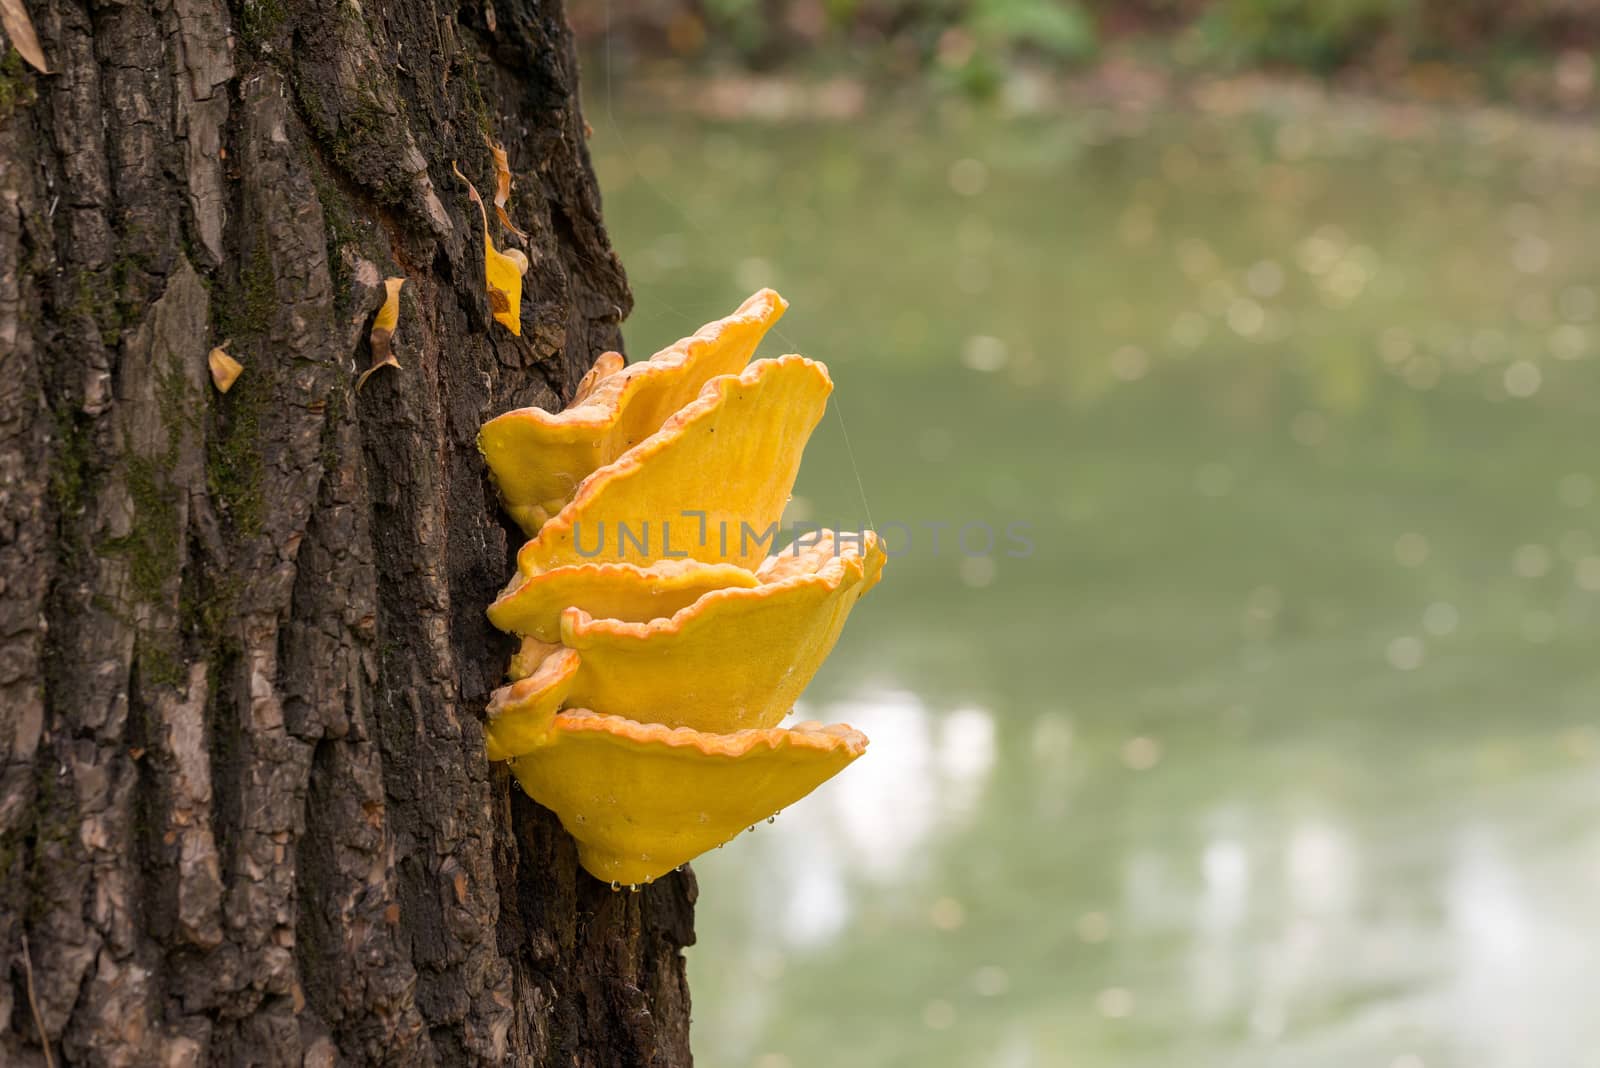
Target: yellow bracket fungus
(529,655)
(706,486)
(538,458)
(643,798)
(520,714)
(735,658)
(605,365)
(533,606)
(645,607)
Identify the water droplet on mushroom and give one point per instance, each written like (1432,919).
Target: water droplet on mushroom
(633,888)
(615,886)
(772,818)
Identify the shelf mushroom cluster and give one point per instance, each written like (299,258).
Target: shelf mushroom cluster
(661,644)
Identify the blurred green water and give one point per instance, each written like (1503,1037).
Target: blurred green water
(1281,747)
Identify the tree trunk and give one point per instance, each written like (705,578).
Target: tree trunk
(245,815)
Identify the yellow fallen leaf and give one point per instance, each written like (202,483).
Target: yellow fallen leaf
(502,271)
(19,28)
(383,328)
(502,185)
(225,370)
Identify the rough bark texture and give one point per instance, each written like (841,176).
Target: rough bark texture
(245,816)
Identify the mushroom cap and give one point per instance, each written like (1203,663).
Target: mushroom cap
(605,365)
(532,605)
(643,798)
(736,658)
(538,458)
(520,714)
(718,474)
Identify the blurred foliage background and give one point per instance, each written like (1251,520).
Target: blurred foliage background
(1537,51)
(1275,326)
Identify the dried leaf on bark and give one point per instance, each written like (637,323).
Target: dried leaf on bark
(383,328)
(225,370)
(502,271)
(502,185)
(19,27)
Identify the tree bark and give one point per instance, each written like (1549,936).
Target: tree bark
(245,815)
